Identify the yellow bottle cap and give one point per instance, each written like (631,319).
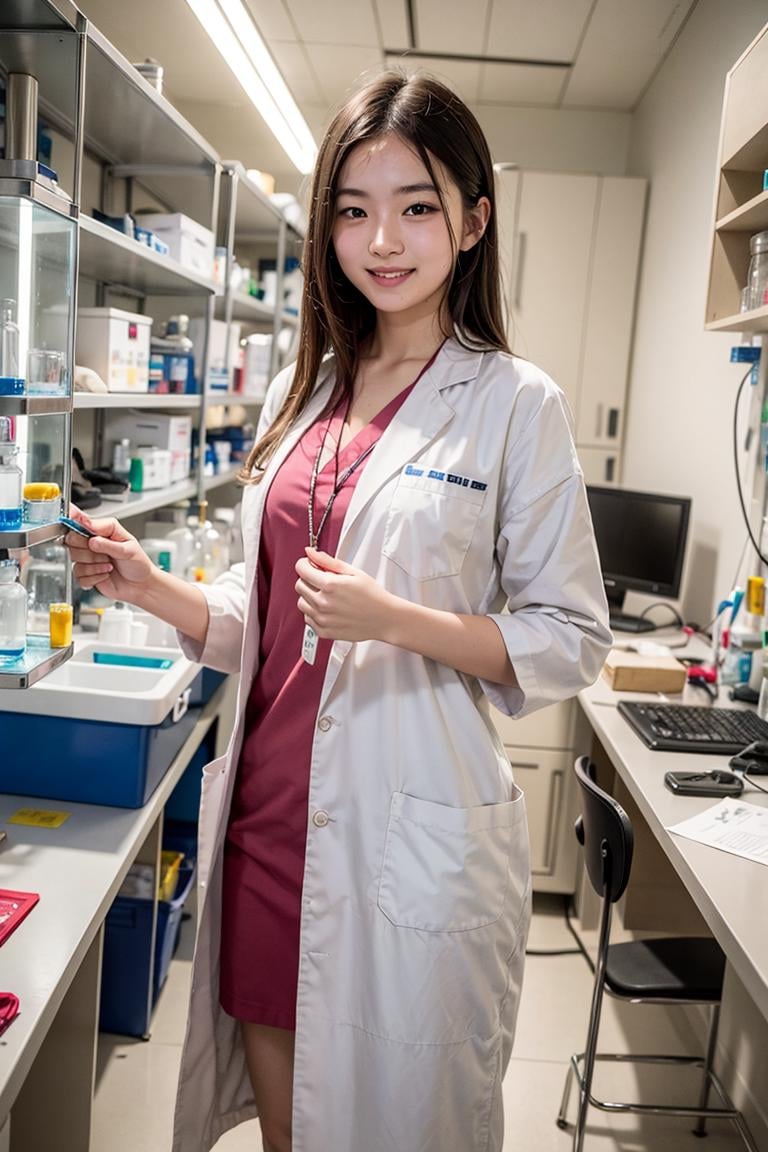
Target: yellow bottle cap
(41,491)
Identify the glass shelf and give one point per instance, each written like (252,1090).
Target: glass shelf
(38,660)
(31,534)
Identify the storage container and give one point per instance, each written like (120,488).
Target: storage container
(116,345)
(219,344)
(128,961)
(156,430)
(188,242)
(98,733)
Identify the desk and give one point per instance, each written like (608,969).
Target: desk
(53,960)
(731,893)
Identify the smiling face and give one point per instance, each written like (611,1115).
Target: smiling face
(391,235)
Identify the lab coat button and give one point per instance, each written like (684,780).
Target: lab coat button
(320,818)
(324,723)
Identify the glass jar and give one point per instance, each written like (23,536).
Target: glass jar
(10,478)
(13,613)
(757,277)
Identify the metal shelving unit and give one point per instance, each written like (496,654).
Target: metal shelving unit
(125,266)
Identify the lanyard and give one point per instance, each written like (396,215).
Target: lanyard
(338,484)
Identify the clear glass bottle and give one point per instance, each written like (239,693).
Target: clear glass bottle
(757,277)
(10,478)
(13,613)
(11,380)
(183,537)
(204,563)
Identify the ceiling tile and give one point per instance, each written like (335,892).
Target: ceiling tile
(538,30)
(625,44)
(272,19)
(463,76)
(340,69)
(335,22)
(520,84)
(450,26)
(292,60)
(393,23)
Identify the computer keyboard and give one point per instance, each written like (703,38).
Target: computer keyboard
(673,728)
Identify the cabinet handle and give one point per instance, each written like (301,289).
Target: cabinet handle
(613,423)
(522,243)
(610,468)
(599,427)
(554,812)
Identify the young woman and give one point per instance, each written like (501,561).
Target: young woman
(417,545)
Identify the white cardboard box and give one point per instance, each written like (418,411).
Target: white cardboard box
(155,430)
(188,242)
(116,345)
(217,380)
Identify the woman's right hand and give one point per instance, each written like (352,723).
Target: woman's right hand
(112,560)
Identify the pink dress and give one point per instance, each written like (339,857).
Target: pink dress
(264,847)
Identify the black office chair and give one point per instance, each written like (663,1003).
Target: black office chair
(664,971)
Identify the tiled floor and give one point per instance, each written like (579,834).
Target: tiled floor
(136,1080)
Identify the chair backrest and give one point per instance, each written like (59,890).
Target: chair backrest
(606,833)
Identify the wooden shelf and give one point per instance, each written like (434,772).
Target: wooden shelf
(750,217)
(755,320)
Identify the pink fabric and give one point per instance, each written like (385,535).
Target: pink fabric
(264,848)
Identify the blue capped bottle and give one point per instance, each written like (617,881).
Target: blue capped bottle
(10,478)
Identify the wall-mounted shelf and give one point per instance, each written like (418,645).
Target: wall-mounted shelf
(246,309)
(141,400)
(114,259)
(750,217)
(38,660)
(755,320)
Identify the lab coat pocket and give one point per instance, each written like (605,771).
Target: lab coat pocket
(448,869)
(430,525)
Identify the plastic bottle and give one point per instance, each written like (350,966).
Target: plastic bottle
(13,613)
(184,539)
(757,276)
(11,379)
(10,478)
(115,626)
(224,519)
(204,564)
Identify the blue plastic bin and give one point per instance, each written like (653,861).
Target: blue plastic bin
(87,760)
(127,963)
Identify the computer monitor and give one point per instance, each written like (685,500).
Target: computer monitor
(641,541)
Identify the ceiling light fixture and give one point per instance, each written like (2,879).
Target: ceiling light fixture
(235,35)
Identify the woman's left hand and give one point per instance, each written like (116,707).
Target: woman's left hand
(341,602)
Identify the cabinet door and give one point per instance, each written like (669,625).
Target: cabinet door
(556,223)
(601,466)
(610,312)
(550,727)
(543,776)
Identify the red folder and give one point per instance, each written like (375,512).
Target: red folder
(14,906)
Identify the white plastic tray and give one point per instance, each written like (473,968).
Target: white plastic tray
(84,690)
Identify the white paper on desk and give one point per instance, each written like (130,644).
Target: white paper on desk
(732,826)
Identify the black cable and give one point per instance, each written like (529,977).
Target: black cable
(754,783)
(755,544)
(661,604)
(577,938)
(580,950)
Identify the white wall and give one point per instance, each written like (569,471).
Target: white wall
(682,386)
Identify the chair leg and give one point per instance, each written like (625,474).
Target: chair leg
(700,1128)
(561,1121)
(585,1082)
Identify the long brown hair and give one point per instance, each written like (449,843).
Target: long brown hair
(335,316)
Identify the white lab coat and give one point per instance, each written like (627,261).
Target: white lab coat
(416,888)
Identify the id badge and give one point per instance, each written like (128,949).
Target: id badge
(309,644)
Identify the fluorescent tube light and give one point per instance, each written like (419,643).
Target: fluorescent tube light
(237,39)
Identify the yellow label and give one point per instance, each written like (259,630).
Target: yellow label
(38,818)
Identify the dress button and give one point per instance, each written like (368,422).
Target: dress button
(324,723)
(320,818)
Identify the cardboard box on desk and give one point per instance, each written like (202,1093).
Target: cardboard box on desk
(630,672)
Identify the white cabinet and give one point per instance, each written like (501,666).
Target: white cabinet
(540,749)
(600,465)
(570,249)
